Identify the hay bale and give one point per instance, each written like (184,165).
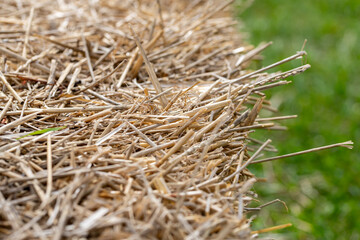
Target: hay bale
(129,119)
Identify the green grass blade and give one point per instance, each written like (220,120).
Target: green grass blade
(42,131)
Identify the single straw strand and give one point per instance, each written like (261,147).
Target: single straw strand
(347,144)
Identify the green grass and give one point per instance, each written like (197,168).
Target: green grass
(322,190)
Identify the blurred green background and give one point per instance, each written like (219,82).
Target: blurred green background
(322,189)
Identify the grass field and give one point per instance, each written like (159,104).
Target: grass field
(322,190)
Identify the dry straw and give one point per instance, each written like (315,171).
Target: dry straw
(130,119)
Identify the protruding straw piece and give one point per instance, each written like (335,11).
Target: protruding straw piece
(149,68)
(347,144)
